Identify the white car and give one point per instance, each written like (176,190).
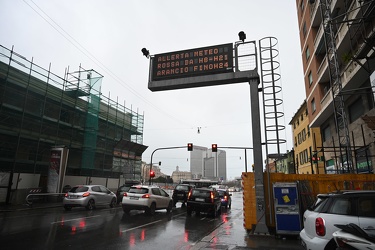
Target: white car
(89,196)
(346,207)
(147,198)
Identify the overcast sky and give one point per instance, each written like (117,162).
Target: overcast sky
(108,36)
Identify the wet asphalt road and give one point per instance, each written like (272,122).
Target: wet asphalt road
(110,228)
(107,228)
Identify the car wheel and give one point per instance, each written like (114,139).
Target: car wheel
(170,206)
(90,205)
(113,203)
(151,209)
(67,208)
(189,210)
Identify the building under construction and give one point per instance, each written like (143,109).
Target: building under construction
(338,54)
(40,110)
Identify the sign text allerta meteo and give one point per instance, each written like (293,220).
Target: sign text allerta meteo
(194,62)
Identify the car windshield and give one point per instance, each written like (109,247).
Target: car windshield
(182,188)
(124,189)
(221,193)
(79,189)
(201,193)
(134,190)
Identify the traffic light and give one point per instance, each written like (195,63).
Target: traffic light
(214,147)
(314,158)
(152,174)
(190,146)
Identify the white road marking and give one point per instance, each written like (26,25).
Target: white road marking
(130,229)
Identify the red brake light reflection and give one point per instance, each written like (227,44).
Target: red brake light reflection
(319,227)
(125,194)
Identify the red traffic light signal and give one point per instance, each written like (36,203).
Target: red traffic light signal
(214,147)
(190,146)
(152,174)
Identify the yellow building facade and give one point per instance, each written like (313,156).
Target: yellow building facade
(306,143)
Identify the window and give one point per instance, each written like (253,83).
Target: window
(303,157)
(313,107)
(307,53)
(340,206)
(326,133)
(366,207)
(356,110)
(304,29)
(310,78)
(302,117)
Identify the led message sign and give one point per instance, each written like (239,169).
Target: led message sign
(194,62)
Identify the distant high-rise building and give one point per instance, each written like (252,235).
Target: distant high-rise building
(207,164)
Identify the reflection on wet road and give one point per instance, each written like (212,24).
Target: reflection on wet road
(107,228)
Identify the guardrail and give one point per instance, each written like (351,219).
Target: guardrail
(29,201)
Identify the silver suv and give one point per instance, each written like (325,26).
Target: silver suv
(344,207)
(147,198)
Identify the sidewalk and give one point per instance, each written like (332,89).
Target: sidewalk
(230,235)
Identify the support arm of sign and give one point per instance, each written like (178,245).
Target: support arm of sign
(149,181)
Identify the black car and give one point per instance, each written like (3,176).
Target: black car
(225,197)
(180,193)
(125,188)
(206,200)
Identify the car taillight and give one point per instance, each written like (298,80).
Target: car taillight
(85,194)
(66,195)
(225,197)
(146,196)
(320,229)
(212,197)
(189,194)
(125,194)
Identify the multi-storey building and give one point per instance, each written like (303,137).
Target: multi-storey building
(337,39)
(306,140)
(178,175)
(207,164)
(40,110)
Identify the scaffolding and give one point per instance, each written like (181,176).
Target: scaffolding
(39,110)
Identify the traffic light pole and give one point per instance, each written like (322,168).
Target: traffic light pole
(149,181)
(240,148)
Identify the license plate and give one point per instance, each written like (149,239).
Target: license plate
(199,199)
(134,198)
(73,196)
